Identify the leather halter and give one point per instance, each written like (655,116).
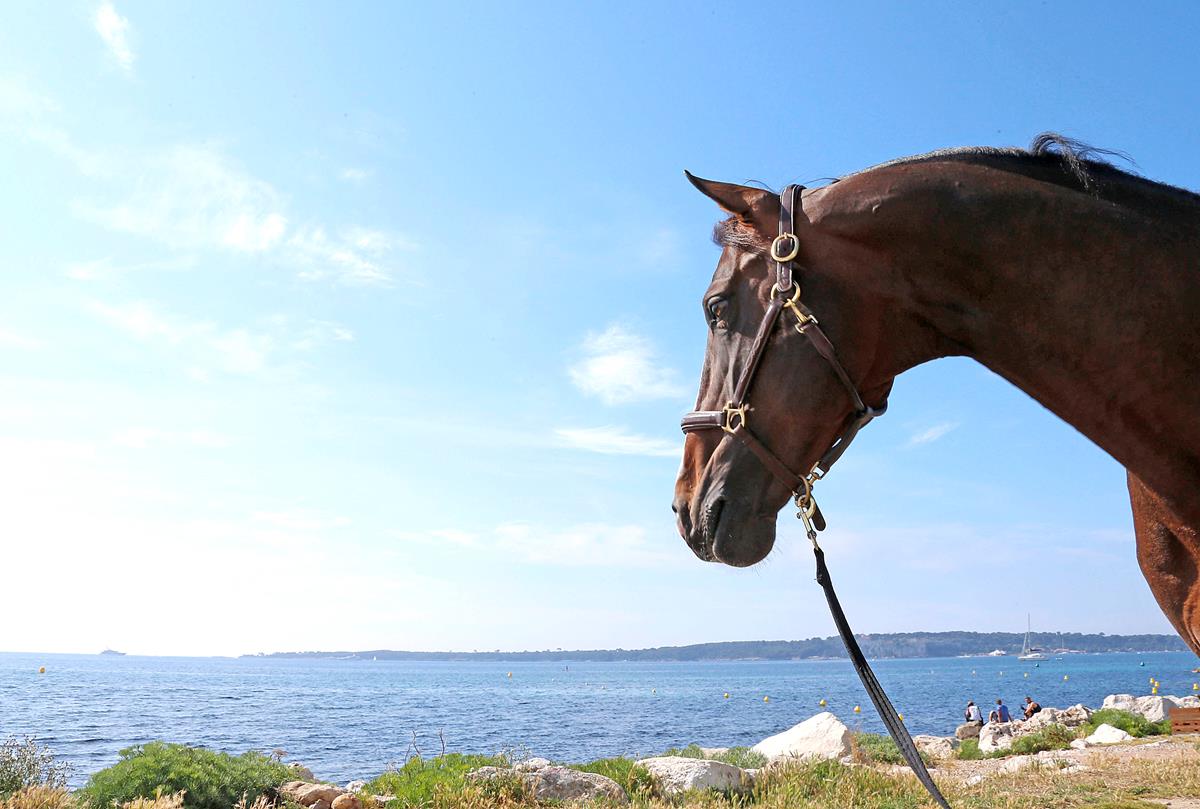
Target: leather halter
(733,419)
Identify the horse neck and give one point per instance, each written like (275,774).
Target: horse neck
(1086,305)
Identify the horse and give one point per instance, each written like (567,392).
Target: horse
(1071,278)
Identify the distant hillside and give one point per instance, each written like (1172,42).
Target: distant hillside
(905,644)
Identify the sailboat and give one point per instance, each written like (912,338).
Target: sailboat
(1029,652)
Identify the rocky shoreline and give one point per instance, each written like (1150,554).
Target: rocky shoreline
(820,737)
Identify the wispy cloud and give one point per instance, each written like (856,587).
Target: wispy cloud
(617,441)
(619,366)
(355,175)
(11,339)
(114,30)
(588,544)
(931,434)
(204,346)
(105,268)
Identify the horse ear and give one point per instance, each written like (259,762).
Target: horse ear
(748,204)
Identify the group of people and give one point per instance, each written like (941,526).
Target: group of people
(1000,713)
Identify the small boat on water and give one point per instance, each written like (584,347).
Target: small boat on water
(1030,652)
(112,652)
(997,653)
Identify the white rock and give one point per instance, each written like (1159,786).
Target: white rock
(1017,763)
(822,736)
(677,774)
(1107,734)
(1154,708)
(709,752)
(355,786)
(1079,744)
(532,764)
(558,783)
(996,736)
(973,780)
(935,747)
(1120,702)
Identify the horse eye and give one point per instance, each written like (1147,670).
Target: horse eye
(716,309)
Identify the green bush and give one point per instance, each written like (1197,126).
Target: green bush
(877,748)
(1051,737)
(25,763)
(1132,723)
(415,784)
(210,780)
(637,781)
(742,757)
(969,750)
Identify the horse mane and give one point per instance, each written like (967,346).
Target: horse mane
(1080,166)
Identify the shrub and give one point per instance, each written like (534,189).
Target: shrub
(737,756)
(969,750)
(1051,737)
(208,779)
(1132,723)
(25,763)
(875,747)
(637,781)
(420,781)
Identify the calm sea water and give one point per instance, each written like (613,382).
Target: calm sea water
(349,718)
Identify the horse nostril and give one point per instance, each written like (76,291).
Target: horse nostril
(674,509)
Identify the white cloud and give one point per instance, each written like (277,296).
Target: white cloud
(204,346)
(355,175)
(931,434)
(105,268)
(619,367)
(617,441)
(114,29)
(11,339)
(354,256)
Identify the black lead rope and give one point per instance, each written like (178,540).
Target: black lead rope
(886,712)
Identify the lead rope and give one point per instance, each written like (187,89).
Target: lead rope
(887,713)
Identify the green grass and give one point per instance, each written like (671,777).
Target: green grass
(415,784)
(1051,737)
(211,780)
(969,750)
(877,748)
(637,781)
(1132,723)
(742,757)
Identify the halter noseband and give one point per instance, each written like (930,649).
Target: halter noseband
(733,417)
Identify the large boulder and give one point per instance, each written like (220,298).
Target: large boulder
(1072,717)
(1154,708)
(1107,734)
(822,736)
(676,774)
(558,783)
(935,747)
(311,795)
(346,801)
(301,773)
(996,736)
(968,730)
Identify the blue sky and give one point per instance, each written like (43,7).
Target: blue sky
(370,326)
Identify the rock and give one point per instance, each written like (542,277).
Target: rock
(709,752)
(1079,744)
(935,747)
(532,764)
(301,772)
(821,736)
(1120,702)
(677,774)
(355,786)
(321,804)
(968,730)
(1154,708)
(309,795)
(346,801)
(973,780)
(1107,734)
(1071,717)
(1017,763)
(996,736)
(554,783)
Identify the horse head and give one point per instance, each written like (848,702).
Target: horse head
(728,492)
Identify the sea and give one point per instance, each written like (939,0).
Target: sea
(348,719)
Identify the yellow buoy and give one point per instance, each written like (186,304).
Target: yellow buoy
(766,699)
(857,709)
(901,716)
(822,703)
(1196,686)
(726,695)
(42,670)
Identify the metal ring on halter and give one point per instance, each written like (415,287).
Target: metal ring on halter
(804,499)
(782,259)
(775,290)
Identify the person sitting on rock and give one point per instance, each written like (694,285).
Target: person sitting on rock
(972,712)
(1031,707)
(1001,712)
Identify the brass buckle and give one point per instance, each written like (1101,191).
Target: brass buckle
(782,259)
(731,411)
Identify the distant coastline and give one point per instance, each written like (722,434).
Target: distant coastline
(889,645)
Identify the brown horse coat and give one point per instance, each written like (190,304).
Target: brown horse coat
(1073,280)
